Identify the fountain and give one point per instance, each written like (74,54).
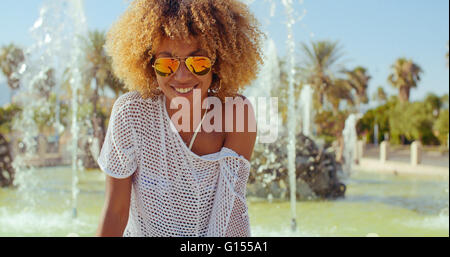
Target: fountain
(291,112)
(350,140)
(267,161)
(52,62)
(260,95)
(305,107)
(291,126)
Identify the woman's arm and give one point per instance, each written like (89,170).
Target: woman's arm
(114,217)
(242,142)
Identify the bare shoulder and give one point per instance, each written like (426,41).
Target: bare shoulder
(240,126)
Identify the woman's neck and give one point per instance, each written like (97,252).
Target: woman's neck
(185,109)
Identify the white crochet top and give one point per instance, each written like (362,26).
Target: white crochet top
(175,192)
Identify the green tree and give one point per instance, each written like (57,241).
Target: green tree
(11,59)
(380,116)
(444,101)
(412,121)
(434,104)
(339,91)
(405,76)
(46,119)
(46,83)
(330,125)
(116,85)
(380,95)
(7,114)
(441,125)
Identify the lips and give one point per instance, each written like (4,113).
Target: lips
(184,89)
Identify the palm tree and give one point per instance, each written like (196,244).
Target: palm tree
(405,75)
(98,69)
(45,84)
(358,79)
(116,85)
(318,66)
(434,103)
(380,96)
(338,91)
(11,58)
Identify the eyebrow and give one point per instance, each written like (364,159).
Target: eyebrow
(195,52)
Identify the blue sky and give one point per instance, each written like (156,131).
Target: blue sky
(372,33)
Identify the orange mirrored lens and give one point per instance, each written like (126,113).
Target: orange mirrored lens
(199,65)
(166,66)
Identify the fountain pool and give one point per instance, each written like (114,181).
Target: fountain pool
(386,205)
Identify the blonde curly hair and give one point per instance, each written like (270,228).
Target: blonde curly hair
(225,28)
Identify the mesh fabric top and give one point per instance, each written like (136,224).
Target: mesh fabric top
(175,192)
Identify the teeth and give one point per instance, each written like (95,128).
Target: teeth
(184,90)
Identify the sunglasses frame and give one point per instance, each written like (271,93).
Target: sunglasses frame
(182,61)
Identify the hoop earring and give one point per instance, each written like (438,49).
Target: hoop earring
(216,90)
(156,90)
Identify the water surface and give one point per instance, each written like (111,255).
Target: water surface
(385,205)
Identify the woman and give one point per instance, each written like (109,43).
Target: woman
(163,181)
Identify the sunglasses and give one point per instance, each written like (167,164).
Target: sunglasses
(198,65)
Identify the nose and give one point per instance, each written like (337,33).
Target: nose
(183,74)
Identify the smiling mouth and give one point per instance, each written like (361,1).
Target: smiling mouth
(185,90)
